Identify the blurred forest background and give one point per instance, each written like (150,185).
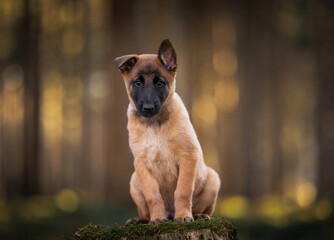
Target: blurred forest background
(255,76)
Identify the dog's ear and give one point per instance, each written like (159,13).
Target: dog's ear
(167,55)
(125,63)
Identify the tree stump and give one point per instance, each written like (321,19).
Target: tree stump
(214,229)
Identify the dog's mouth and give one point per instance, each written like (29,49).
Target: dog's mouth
(148,115)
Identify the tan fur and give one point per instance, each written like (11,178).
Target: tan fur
(170,174)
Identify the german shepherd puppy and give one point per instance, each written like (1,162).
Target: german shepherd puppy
(171,180)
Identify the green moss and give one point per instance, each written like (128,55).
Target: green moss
(219,226)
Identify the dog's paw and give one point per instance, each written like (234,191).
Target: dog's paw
(158,221)
(184,219)
(135,221)
(205,217)
(170,216)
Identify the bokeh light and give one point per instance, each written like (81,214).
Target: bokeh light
(274,207)
(52,108)
(225,63)
(10,11)
(306,194)
(67,200)
(234,207)
(73,42)
(226,95)
(37,206)
(323,209)
(204,111)
(98,85)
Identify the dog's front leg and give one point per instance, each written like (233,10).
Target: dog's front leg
(184,190)
(151,192)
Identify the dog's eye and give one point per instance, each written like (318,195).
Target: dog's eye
(159,83)
(138,83)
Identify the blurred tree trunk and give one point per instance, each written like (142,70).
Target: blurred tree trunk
(325,65)
(260,104)
(30,58)
(120,167)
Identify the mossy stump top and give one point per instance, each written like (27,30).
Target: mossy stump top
(214,229)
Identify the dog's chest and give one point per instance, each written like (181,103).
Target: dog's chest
(154,145)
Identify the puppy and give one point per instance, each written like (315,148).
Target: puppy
(171,180)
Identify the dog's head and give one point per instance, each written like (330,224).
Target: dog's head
(149,78)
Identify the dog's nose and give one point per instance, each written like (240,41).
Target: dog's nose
(148,107)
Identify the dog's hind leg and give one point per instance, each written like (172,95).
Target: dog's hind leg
(204,203)
(138,198)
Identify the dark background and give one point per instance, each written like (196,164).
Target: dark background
(255,76)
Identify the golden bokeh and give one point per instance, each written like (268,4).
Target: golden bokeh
(226,95)
(10,10)
(52,106)
(225,63)
(71,13)
(273,207)
(67,200)
(234,207)
(204,111)
(306,194)
(291,136)
(96,18)
(73,42)
(224,32)
(73,103)
(211,157)
(49,17)
(13,95)
(98,85)
(38,206)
